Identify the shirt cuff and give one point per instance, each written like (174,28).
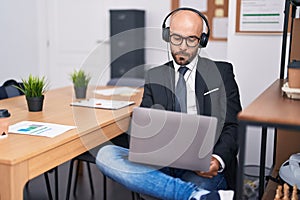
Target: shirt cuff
(222,167)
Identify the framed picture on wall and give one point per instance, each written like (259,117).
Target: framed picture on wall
(259,16)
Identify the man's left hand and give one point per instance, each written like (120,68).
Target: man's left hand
(213,169)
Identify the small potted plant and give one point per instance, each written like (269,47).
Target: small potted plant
(34,88)
(80,81)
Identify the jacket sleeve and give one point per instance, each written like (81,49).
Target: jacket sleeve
(147,100)
(227,144)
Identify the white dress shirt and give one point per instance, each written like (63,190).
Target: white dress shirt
(190,79)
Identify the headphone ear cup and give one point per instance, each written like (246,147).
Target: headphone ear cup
(203,40)
(166,34)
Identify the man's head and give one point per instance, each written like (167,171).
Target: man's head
(186,27)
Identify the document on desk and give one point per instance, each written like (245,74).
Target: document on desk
(102,103)
(39,128)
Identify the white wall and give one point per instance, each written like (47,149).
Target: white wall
(256,59)
(18,39)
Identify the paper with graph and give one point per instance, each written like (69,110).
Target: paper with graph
(39,128)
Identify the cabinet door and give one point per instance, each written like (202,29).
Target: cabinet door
(127,43)
(128,46)
(122,20)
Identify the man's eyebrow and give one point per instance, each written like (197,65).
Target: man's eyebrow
(193,36)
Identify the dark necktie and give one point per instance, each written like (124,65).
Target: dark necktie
(180,91)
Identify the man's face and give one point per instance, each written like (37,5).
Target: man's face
(186,26)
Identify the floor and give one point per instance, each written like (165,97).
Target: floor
(36,189)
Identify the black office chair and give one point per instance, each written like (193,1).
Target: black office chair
(88,157)
(55,171)
(8,89)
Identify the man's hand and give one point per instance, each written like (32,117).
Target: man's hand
(213,169)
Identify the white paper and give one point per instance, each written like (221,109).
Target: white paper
(39,128)
(199,5)
(102,103)
(220,25)
(219,12)
(125,91)
(261,15)
(219,2)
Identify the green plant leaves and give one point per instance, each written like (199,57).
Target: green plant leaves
(80,78)
(34,86)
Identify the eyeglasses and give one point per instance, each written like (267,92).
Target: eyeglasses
(191,41)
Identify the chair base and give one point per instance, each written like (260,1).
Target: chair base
(84,155)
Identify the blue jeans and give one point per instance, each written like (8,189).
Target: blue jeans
(165,183)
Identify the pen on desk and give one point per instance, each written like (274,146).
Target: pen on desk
(213,90)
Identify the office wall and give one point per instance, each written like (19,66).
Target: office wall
(256,59)
(18,39)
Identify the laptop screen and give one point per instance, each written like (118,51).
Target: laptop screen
(166,138)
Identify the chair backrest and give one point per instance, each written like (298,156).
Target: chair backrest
(8,89)
(130,82)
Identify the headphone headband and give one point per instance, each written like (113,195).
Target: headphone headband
(203,37)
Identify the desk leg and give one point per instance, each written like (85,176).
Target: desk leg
(14,178)
(262,162)
(242,147)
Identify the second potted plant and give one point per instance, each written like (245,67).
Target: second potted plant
(80,81)
(34,88)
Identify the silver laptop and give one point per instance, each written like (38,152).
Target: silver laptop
(165,138)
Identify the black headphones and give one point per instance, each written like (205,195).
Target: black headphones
(203,37)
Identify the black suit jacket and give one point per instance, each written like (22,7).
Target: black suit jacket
(223,103)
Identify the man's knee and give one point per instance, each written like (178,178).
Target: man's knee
(104,153)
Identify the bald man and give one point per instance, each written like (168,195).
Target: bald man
(201,76)
(188,25)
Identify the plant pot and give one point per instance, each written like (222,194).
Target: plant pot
(80,92)
(35,104)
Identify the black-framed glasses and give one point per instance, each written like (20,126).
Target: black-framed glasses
(191,41)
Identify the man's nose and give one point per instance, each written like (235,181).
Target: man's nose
(183,45)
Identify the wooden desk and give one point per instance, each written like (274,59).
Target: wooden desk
(23,157)
(270,109)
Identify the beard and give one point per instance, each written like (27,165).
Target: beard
(183,57)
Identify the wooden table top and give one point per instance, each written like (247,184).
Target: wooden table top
(272,107)
(16,147)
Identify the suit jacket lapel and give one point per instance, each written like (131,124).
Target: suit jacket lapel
(203,102)
(169,85)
